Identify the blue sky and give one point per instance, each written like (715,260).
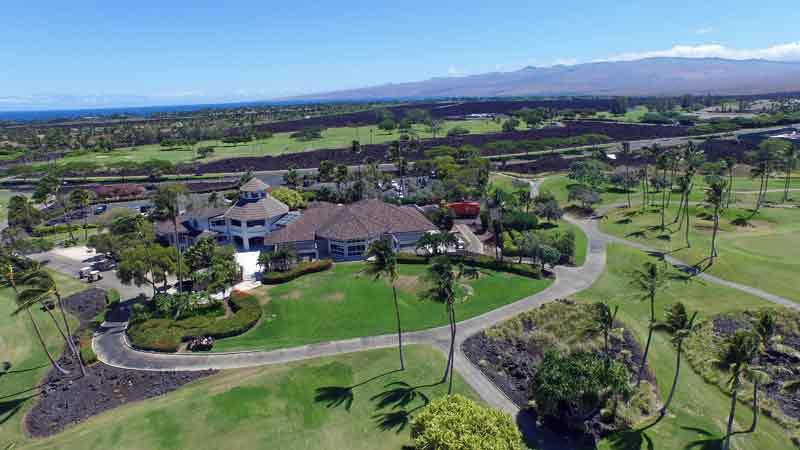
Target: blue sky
(172,51)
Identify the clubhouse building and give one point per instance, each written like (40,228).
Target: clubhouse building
(324,230)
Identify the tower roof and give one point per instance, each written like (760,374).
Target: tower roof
(254,185)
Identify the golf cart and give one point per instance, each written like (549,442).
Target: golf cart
(84,272)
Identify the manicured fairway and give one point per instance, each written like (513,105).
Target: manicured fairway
(20,347)
(342,303)
(697,419)
(762,256)
(277,144)
(269,408)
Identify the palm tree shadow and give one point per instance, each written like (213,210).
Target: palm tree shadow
(400,394)
(703,444)
(630,440)
(9,408)
(336,396)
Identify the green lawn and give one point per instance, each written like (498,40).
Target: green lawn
(743,187)
(762,256)
(279,143)
(632,115)
(699,409)
(342,303)
(20,347)
(267,408)
(506,183)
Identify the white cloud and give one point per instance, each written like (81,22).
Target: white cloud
(781,52)
(704,30)
(457,71)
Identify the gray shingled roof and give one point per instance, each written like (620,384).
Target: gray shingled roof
(360,220)
(254,185)
(263,208)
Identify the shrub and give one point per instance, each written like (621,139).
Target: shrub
(166,334)
(455,422)
(483,262)
(60,228)
(112,297)
(304,268)
(518,220)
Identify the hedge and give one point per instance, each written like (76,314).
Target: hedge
(303,268)
(483,262)
(165,335)
(60,228)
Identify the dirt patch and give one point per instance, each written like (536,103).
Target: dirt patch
(335,297)
(409,283)
(295,294)
(65,400)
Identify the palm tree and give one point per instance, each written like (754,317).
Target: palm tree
(680,325)
(715,196)
(80,199)
(525,199)
(603,320)
(213,199)
(626,155)
(382,262)
(442,289)
(790,155)
(167,206)
(741,349)
(765,329)
(10,278)
(649,280)
(42,285)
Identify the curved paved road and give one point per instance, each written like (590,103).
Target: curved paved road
(113,349)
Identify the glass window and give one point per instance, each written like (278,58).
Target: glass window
(218,223)
(337,249)
(255,223)
(356,250)
(236,223)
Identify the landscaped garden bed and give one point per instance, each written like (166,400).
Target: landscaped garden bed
(69,399)
(301,269)
(779,359)
(166,334)
(511,354)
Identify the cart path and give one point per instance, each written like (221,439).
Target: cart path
(112,347)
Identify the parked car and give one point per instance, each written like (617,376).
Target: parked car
(94,275)
(100,209)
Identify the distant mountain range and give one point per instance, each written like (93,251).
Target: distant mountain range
(644,77)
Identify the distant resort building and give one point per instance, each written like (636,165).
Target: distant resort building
(259,221)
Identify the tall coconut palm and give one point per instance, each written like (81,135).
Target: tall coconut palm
(715,197)
(603,320)
(524,199)
(765,328)
(680,325)
(80,199)
(167,207)
(649,281)
(626,155)
(790,155)
(740,351)
(442,281)
(42,285)
(10,278)
(382,262)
